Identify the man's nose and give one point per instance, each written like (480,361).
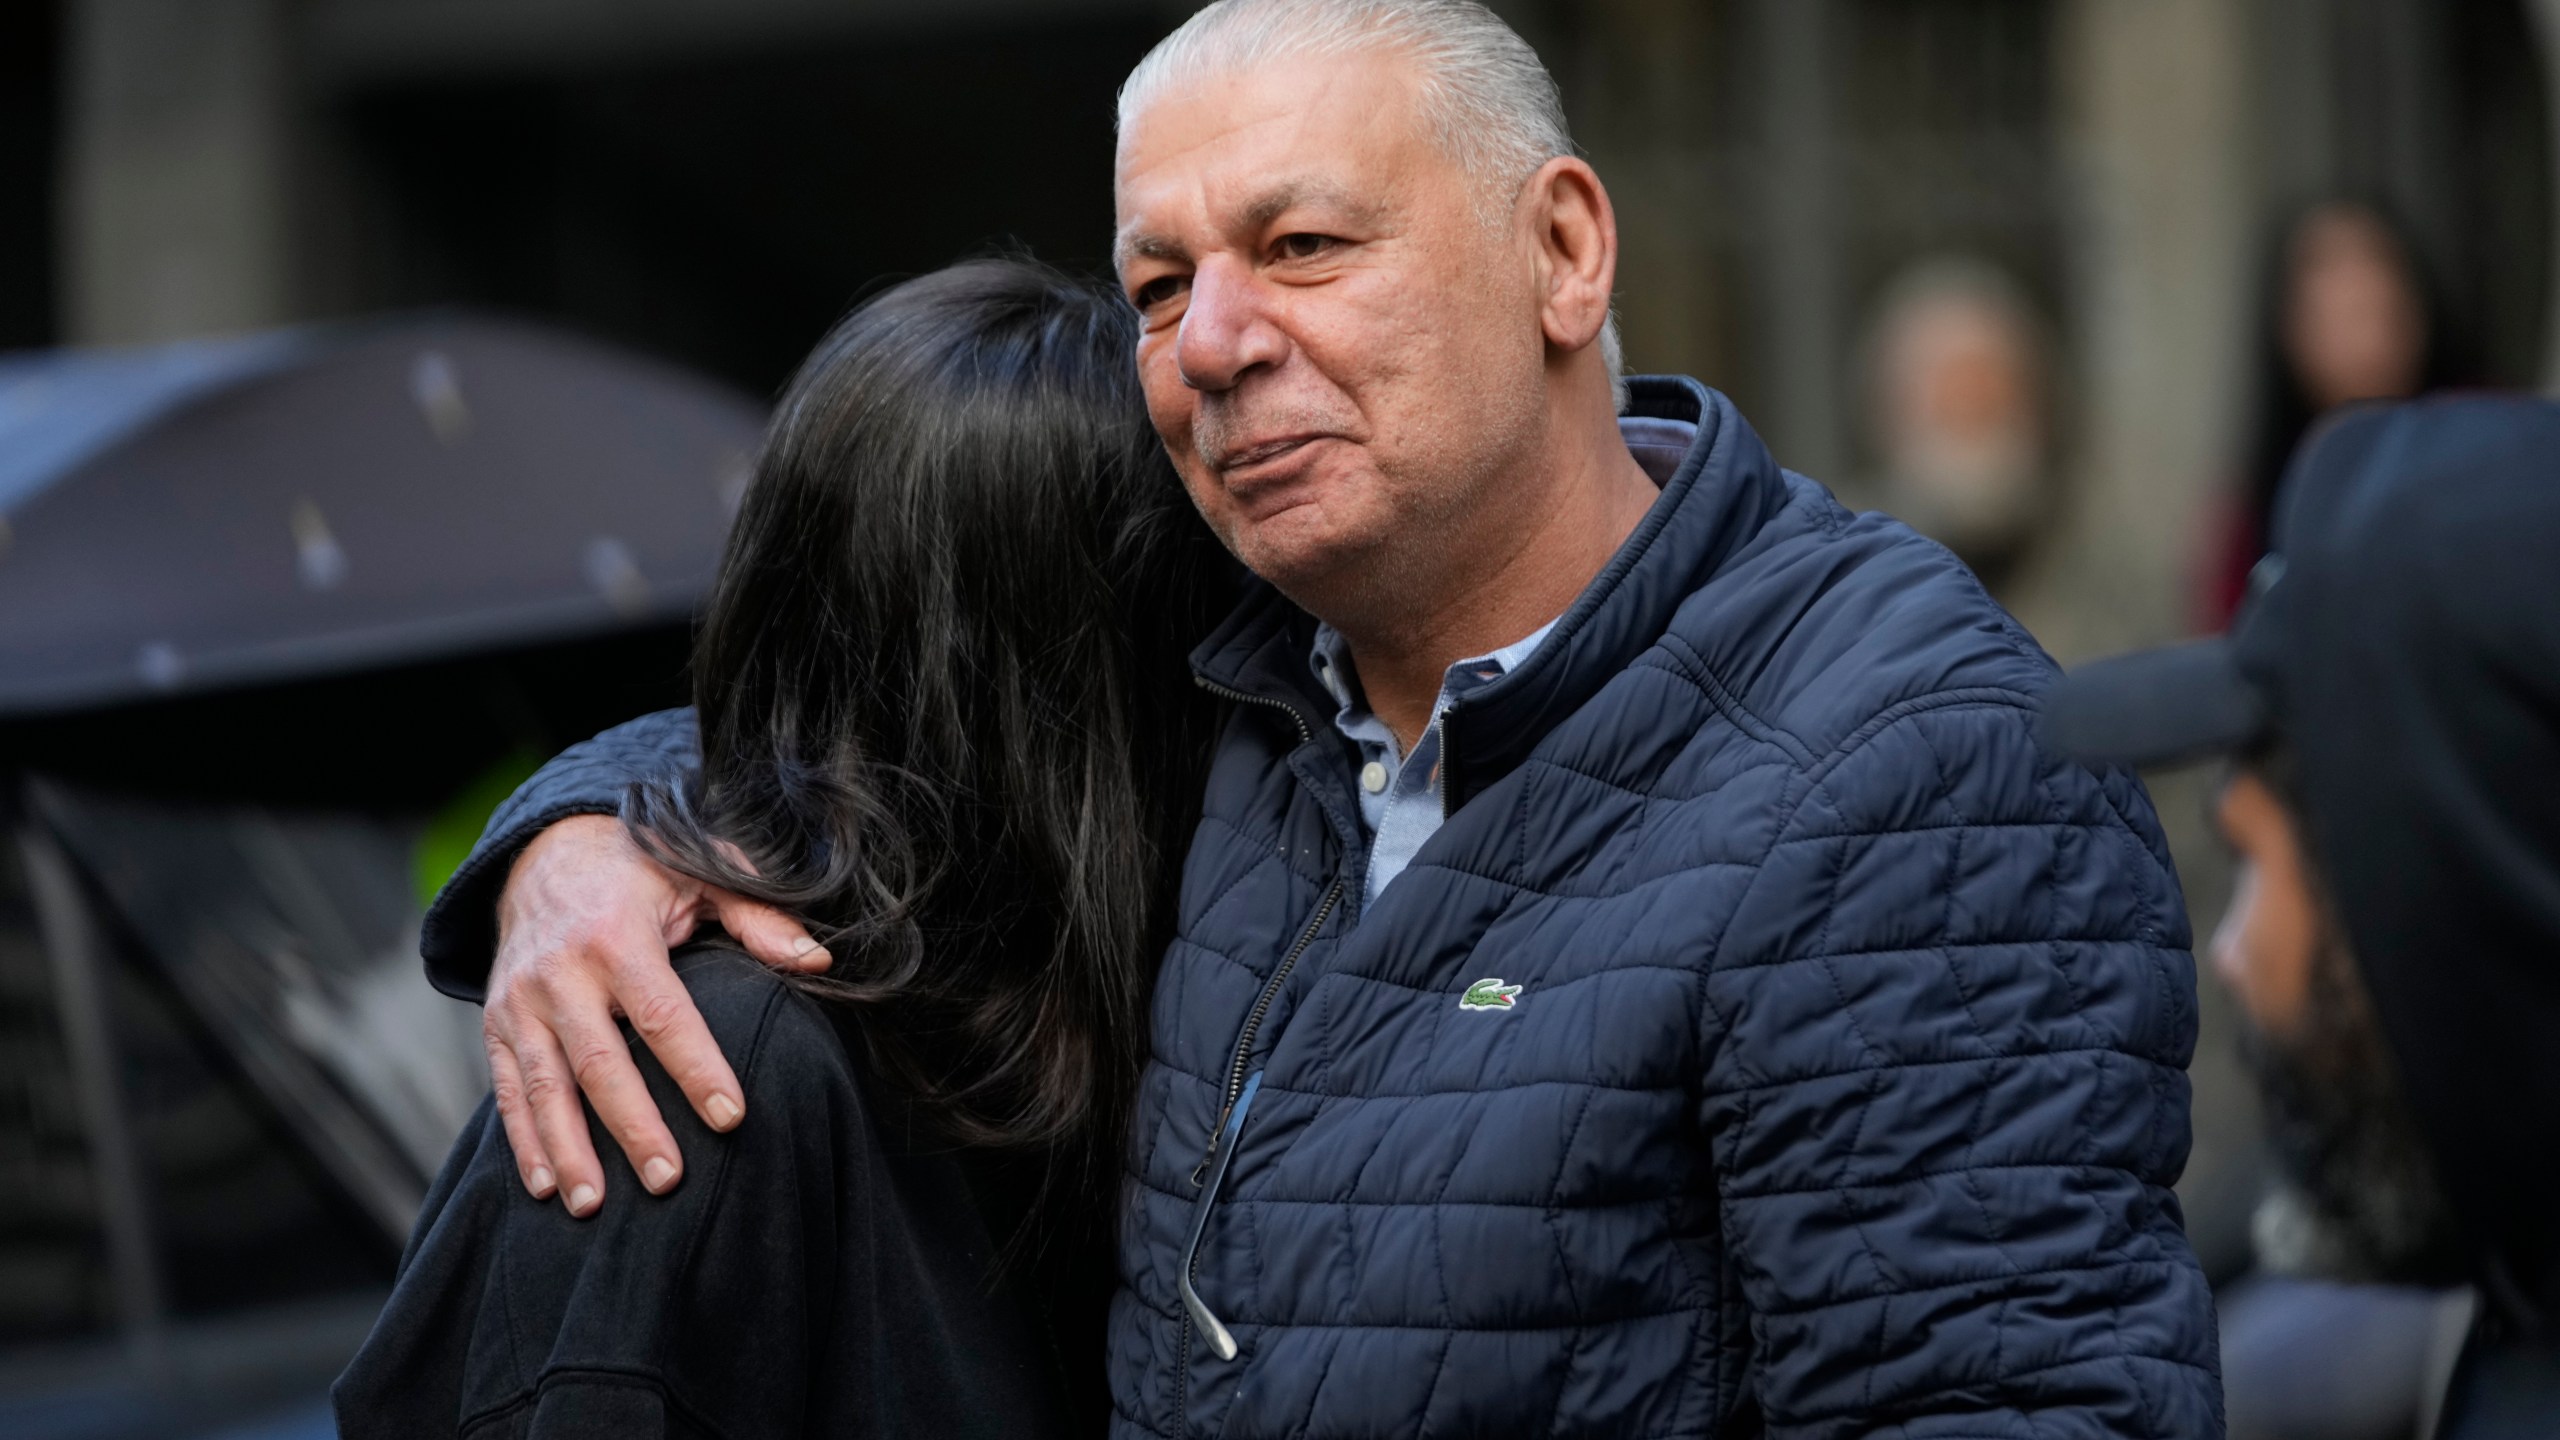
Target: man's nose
(1225,332)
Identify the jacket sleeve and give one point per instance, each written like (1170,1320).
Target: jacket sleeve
(460,934)
(1950,1098)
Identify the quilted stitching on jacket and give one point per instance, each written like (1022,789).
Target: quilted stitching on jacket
(1842,1094)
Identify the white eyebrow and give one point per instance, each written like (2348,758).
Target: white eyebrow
(1270,205)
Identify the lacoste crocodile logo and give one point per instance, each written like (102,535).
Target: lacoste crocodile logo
(1490,994)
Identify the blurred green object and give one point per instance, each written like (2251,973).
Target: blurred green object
(449,836)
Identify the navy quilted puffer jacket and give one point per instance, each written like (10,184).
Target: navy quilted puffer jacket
(1773,1040)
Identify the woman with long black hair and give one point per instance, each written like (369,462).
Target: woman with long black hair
(945,720)
(2351,313)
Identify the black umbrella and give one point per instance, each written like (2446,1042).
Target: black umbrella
(221,513)
(270,607)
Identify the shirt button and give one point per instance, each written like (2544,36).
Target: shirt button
(1373,778)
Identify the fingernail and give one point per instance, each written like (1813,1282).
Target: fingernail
(724,1112)
(582,1200)
(806,948)
(543,1182)
(658,1174)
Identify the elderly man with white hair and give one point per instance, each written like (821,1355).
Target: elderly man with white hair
(1637,971)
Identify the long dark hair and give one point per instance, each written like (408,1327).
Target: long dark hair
(2285,410)
(946,717)
(2243,527)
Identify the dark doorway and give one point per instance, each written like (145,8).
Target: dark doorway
(30,131)
(724,212)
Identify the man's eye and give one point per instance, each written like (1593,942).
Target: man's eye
(1157,291)
(1303,246)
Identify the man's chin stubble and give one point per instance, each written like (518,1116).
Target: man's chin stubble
(1342,582)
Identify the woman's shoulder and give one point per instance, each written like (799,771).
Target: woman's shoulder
(686,1301)
(764,1025)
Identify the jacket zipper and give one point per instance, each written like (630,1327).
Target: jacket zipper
(1212,1168)
(1280,976)
(1221,1343)
(1236,1077)
(1306,733)
(1253,1022)
(1213,1165)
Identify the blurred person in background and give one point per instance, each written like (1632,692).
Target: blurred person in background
(2390,694)
(1959,374)
(944,721)
(2351,315)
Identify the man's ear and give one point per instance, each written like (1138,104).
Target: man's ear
(1574,235)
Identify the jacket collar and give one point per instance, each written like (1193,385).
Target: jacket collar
(1720,493)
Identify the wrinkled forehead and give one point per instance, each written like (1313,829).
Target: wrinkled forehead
(1228,149)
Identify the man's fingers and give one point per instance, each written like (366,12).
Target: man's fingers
(506,1085)
(551,1094)
(583,929)
(665,1018)
(600,1062)
(768,934)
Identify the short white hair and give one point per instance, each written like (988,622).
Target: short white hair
(1485,94)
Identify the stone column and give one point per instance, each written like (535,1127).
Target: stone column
(2162,146)
(1801,234)
(2159,145)
(176,206)
(2546,24)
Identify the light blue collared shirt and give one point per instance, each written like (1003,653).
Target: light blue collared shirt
(1400,796)
(1402,809)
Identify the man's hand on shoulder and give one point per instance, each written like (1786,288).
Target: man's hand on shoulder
(584,927)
